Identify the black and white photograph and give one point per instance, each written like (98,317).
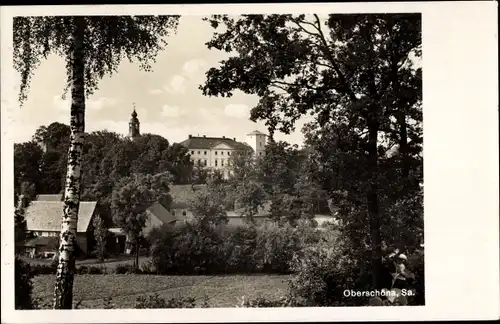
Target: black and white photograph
(243,160)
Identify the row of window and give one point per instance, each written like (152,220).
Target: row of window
(205,152)
(205,162)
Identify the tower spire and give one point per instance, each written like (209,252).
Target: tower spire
(133,126)
(134,113)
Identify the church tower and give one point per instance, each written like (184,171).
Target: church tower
(133,126)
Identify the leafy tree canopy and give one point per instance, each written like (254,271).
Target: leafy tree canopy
(108,40)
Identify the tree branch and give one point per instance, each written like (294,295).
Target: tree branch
(298,85)
(296,22)
(329,55)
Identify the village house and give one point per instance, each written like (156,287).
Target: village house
(157,216)
(182,195)
(43,225)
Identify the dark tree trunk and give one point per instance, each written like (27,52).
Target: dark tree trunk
(63,291)
(403,144)
(373,203)
(137,255)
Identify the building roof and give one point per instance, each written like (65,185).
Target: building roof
(256,132)
(195,143)
(47,215)
(57,197)
(48,241)
(161,213)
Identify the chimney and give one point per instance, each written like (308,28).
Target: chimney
(223,136)
(204,136)
(190,136)
(234,139)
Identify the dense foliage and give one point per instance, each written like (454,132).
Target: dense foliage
(131,197)
(249,248)
(362,162)
(100,237)
(355,76)
(23,285)
(108,157)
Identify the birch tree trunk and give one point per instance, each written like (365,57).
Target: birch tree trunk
(63,291)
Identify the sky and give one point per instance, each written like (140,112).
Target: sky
(167,100)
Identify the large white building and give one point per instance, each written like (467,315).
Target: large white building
(215,152)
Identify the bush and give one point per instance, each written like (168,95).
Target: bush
(264,302)
(240,249)
(90,270)
(43,269)
(195,249)
(155,301)
(125,268)
(189,249)
(95,254)
(96,270)
(147,267)
(416,264)
(82,270)
(277,246)
(23,285)
(322,273)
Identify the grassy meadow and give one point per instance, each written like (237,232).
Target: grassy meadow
(90,291)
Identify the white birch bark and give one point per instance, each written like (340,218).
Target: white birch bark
(63,291)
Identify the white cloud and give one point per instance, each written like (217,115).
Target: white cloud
(101,103)
(176,85)
(171,111)
(237,110)
(92,104)
(193,66)
(211,116)
(155,91)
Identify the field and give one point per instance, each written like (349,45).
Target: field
(222,291)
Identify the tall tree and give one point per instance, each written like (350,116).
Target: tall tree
(53,137)
(100,236)
(27,164)
(247,191)
(53,171)
(342,69)
(177,161)
(131,198)
(92,46)
(208,206)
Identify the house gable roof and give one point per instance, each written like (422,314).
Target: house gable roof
(47,215)
(182,195)
(56,197)
(161,213)
(200,143)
